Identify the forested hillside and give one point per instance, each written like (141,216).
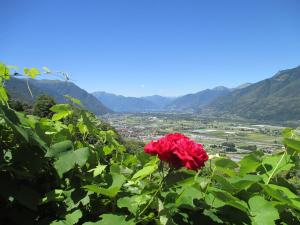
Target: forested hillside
(119,103)
(276,98)
(193,102)
(18,89)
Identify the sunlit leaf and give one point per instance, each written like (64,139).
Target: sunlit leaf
(110,219)
(73,100)
(32,73)
(251,162)
(112,191)
(59,148)
(98,170)
(68,160)
(263,211)
(70,219)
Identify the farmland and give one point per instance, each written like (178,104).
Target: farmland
(213,133)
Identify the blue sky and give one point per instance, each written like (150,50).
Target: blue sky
(147,47)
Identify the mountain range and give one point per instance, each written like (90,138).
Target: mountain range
(119,103)
(275,99)
(18,89)
(193,102)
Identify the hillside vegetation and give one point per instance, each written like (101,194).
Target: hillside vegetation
(276,98)
(193,102)
(119,103)
(18,89)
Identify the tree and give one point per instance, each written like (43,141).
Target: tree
(16,105)
(42,106)
(229,146)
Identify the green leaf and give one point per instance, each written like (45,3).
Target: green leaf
(263,211)
(133,203)
(73,100)
(68,160)
(60,148)
(283,195)
(187,196)
(70,219)
(4,72)
(98,170)
(33,72)
(53,196)
(276,164)
(3,95)
(146,171)
(59,116)
(61,110)
(213,202)
(112,191)
(13,120)
(110,219)
(73,217)
(107,149)
(245,182)
(228,199)
(224,183)
(292,144)
(212,214)
(251,162)
(225,163)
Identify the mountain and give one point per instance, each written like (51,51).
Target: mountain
(242,86)
(159,101)
(120,103)
(17,88)
(193,102)
(276,98)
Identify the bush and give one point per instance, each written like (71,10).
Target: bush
(42,106)
(249,147)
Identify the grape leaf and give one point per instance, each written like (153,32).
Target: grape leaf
(110,219)
(263,211)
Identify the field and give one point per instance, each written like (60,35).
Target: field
(213,133)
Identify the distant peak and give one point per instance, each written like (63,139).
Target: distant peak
(220,88)
(244,85)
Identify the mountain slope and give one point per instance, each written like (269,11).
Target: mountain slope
(276,98)
(193,102)
(159,101)
(17,88)
(119,103)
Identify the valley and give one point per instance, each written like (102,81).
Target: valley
(219,136)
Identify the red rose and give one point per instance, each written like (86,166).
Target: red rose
(178,150)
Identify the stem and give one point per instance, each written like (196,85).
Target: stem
(211,177)
(161,183)
(29,88)
(278,163)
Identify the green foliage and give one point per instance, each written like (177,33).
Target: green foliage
(42,106)
(262,211)
(108,219)
(67,169)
